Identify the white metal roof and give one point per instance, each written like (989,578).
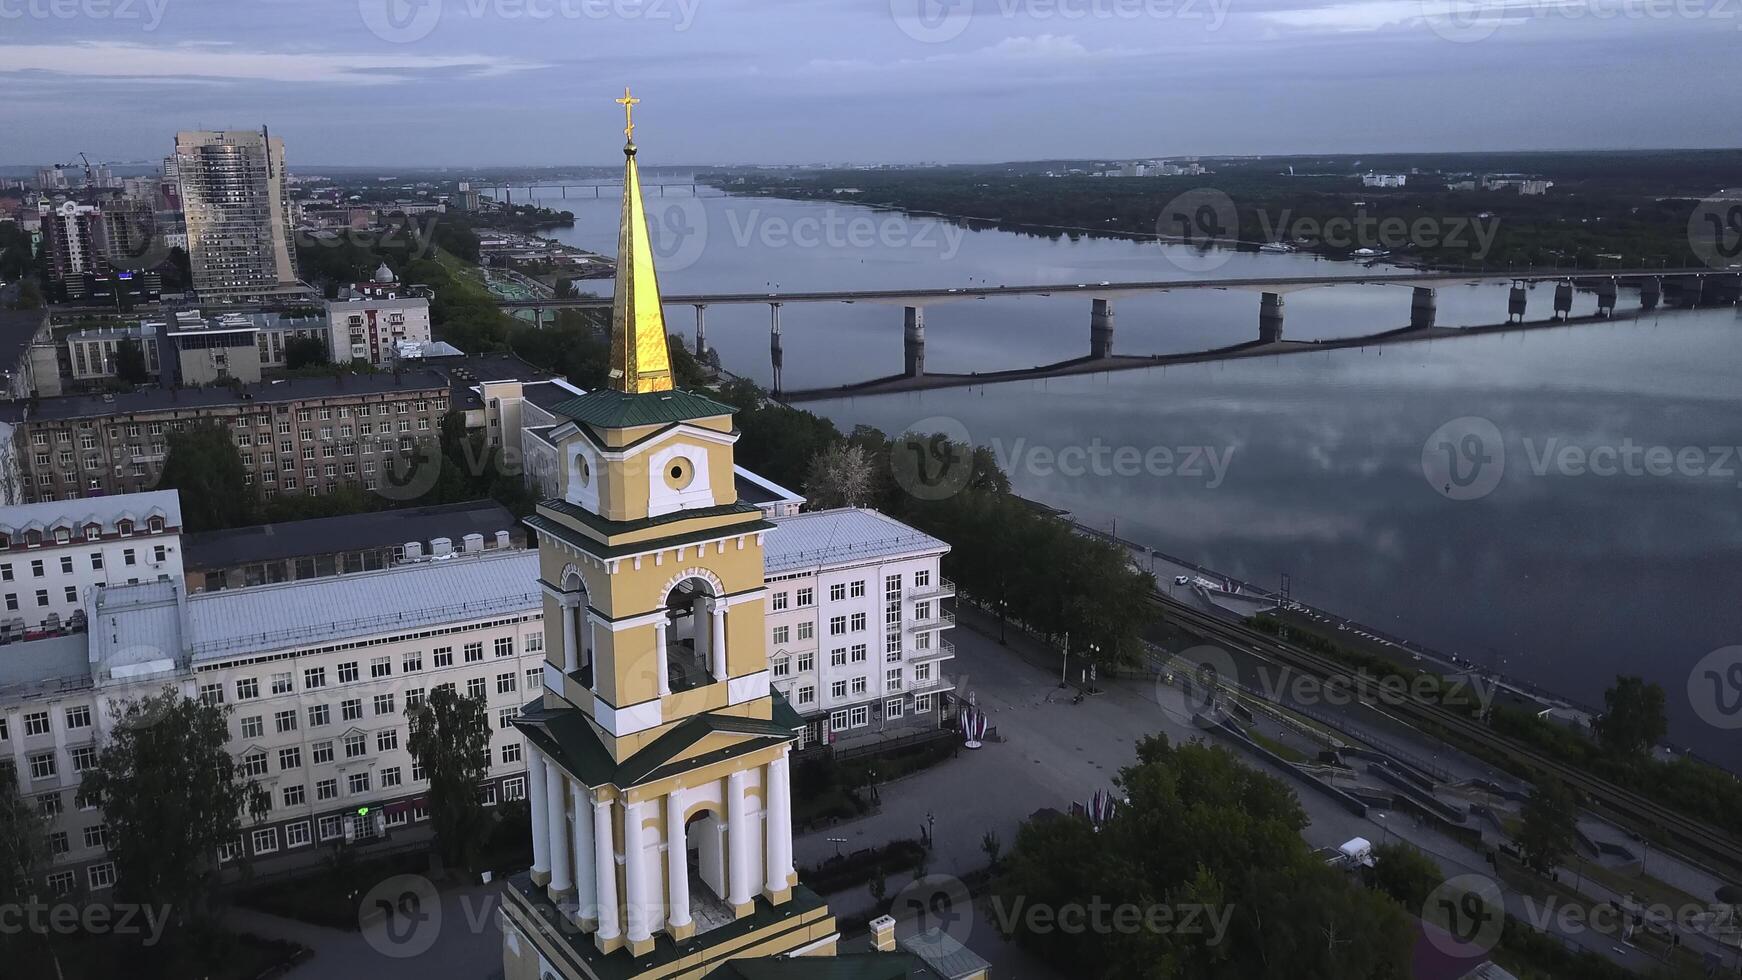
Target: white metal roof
(104,510)
(847,536)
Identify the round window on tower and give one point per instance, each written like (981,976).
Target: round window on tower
(583,472)
(679,473)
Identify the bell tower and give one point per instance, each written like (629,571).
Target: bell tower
(657,756)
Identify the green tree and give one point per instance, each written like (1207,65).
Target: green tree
(1633,718)
(21,837)
(301,352)
(171,795)
(992,847)
(29,295)
(450,739)
(206,468)
(1406,874)
(1546,832)
(130,362)
(840,476)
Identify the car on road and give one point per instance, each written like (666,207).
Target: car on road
(1182,580)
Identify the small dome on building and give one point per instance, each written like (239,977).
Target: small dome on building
(384,274)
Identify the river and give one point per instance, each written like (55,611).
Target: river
(1563,550)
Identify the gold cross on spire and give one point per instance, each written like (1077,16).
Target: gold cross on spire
(628,102)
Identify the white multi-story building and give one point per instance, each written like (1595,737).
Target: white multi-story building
(318,675)
(856,619)
(52,553)
(373,318)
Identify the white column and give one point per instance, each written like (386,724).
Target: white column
(571,649)
(557,827)
(677,868)
(717,619)
(592,651)
(777,849)
(605,869)
(586,876)
(739,874)
(661,662)
(535,778)
(638,912)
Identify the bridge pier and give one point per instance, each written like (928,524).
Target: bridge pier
(1100,328)
(701,331)
(538,317)
(1270,318)
(913,342)
(1563,299)
(775,355)
(1516,302)
(1423,308)
(1606,297)
(1650,292)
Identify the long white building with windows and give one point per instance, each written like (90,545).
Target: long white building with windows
(52,553)
(856,623)
(318,674)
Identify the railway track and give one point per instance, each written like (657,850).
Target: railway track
(1640,813)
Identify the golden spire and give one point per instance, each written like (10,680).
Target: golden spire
(639,359)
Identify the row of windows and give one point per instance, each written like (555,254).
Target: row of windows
(37,722)
(89,532)
(859,715)
(315,678)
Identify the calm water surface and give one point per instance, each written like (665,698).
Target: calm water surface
(1560,576)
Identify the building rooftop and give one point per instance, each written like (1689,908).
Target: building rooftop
(269,392)
(607,409)
(549,394)
(105,511)
(349,532)
(44,666)
(17,328)
(760,490)
(846,536)
(318,611)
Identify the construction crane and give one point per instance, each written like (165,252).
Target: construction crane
(89,181)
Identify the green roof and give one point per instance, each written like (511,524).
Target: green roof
(600,550)
(608,409)
(565,734)
(859,966)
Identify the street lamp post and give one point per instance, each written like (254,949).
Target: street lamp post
(1065,660)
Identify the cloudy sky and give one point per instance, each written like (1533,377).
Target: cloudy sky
(481,82)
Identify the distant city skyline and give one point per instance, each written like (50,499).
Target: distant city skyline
(479,83)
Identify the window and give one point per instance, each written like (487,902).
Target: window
(837,625)
(475,687)
(36,723)
(505,683)
(782,666)
(921,578)
(97,836)
(892,648)
(253,726)
(411,662)
(505,718)
(413,697)
(281,683)
(535,642)
(290,758)
(314,677)
(807,662)
(838,690)
(347,672)
(416,771)
(444,657)
(475,652)
(837,592)
(859,716)
(535,678)
(838,657)
(321,752)
(806,694)
(356,746)
(514,788)
(296,834)
(858,685)
(247,689)
(254,764)
(504,646)
(921,673)
(50,806)
(780,634)
(390,777)
(264,841)
(284,721)
(858,653)
(84,758)
(857,589)
(62,882)
(892,679)
(381,667)
(100,876)
(837,721)
(805,597)
(357,782)
(510,753)
(318,715)
(921,703)
(858,622)
(327,789)
(351,709)
(807,630)
(777,601)
(922,610)
(330,827)
(383,704)
(71,592)
(387,741)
